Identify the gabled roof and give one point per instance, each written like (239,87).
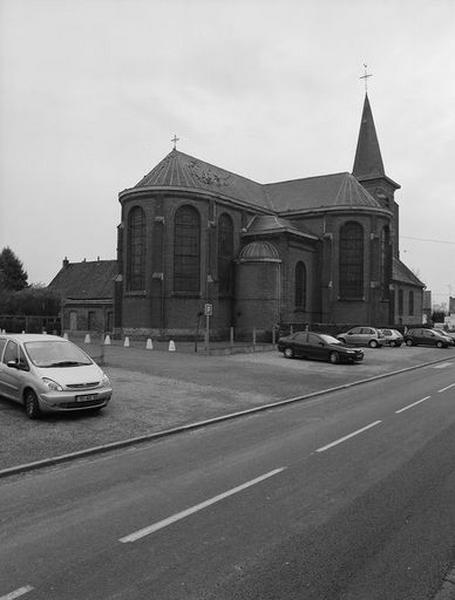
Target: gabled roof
(182,170)
(86,280)
(271,224)
(339,190)
(368,159)
(402,274)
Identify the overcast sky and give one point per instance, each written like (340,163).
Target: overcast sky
(92,91)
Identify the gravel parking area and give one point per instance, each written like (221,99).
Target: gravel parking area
(157,390)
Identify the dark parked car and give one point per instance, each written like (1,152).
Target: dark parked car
(320,346)
(427,337)
(363,336)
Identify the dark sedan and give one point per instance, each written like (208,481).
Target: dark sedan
(319,346)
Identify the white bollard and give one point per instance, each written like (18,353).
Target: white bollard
(87,339)
(171,346)
(107,340)
(65,336)
(23,331)
(149,344)
(126,343)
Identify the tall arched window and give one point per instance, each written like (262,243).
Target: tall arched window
(411,303)
(351,260)
(225,253)
(300,285)
(187,250)
(400,302)
(136,249)
(386,262)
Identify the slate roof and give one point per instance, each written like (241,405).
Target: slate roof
(339,190)
(182,170)
(368,159)
(86,280)
(259,250)
(402,274)
(269,224)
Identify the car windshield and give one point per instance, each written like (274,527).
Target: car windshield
(52,353)
(386,331)
(328,339)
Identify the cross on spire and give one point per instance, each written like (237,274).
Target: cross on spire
(365,77)
(175,139)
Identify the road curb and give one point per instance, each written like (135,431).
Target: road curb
(191,426)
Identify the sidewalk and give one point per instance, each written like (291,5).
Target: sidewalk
(155,390)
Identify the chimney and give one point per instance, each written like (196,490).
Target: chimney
(65,262)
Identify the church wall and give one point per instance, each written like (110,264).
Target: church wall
(258,295)
(296,252)
(158,308)
(403,310)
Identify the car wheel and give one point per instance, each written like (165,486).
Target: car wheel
(373,344)
(334,358)
(32,409)
(288,352)
(439,344)
(409,343)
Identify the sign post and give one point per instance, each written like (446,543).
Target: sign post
(208,311)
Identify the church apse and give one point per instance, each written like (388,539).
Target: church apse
(258,284)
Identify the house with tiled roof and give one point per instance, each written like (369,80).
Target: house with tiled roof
(86,290)
(312,250)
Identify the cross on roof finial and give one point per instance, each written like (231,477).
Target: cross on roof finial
(365,76)
(175,139)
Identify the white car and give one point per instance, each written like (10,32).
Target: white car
(392,337)
(47,373)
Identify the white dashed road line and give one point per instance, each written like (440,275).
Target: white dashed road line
(347,437)
(442,365)
(447,388)
(189,511)
(411,405)
(17,593)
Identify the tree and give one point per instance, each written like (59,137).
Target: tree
(12,274)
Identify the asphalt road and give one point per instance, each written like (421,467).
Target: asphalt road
(347,496)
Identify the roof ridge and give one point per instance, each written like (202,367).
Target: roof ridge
(307,178)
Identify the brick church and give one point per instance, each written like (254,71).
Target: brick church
(307,251)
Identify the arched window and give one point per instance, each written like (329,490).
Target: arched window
(187,250)
(411,303)
(225,253)
(400,302)
(351,260)
(386,262)
(300,285)
(136,249)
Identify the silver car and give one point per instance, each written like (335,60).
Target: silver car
(362,336)
(392,337)
(47,373)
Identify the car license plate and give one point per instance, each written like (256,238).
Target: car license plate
(86,397)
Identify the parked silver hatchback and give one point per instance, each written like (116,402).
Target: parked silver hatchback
(363,336)
(47,373)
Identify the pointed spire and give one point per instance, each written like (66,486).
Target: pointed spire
(368,159)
